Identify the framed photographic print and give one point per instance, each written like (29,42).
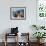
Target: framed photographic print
(41,12)
(18,13)
(41,8)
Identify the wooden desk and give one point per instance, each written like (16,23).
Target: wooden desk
(8,34)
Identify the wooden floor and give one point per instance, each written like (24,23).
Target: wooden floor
(13,44)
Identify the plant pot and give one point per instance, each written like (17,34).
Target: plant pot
(40,41)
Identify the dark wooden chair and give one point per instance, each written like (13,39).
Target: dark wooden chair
(8,35)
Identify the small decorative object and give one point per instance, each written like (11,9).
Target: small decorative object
(18,13)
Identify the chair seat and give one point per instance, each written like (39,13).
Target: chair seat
(9,34)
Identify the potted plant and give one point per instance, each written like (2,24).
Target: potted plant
(39,35)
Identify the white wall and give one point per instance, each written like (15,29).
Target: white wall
(24,25)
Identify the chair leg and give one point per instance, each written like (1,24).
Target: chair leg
(17,39)
(5,43)
(5,40)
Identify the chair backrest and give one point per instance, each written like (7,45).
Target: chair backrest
(14,30)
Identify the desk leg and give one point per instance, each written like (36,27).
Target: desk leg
(28,44)
(5,40)
(17,40)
